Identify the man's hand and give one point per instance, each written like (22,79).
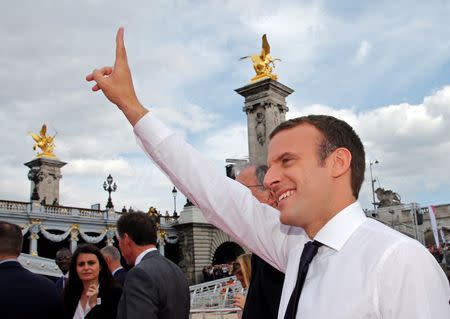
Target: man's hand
(117,85)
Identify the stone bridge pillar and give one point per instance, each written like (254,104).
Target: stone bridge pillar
(265,106)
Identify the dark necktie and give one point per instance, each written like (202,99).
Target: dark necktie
(309,251)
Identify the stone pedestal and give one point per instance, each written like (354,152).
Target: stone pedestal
(265,106)
(198,242)
(50,172)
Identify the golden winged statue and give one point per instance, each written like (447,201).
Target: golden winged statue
(263,63)
(44,142)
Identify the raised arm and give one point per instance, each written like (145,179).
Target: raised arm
(117,85)
(225,203)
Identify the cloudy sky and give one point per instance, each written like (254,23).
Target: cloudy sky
(382,66)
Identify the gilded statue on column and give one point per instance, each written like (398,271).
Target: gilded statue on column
(44,142)
(263,63)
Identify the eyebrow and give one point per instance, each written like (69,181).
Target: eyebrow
(284,154)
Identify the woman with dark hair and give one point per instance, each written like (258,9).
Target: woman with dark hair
(91,291)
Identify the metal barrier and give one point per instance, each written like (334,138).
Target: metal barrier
(215,296)
(214,314)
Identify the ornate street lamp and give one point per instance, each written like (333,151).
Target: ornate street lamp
(174,194)
(372,180)
(109,187)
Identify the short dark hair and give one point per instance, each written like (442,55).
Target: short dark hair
(336,133)
(11,239)
(63,252)
(139,227)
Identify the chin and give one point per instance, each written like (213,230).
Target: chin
(285,218)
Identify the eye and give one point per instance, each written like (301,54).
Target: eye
(81,264)
(286,160)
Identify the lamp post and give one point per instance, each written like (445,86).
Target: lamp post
(109,187)
(174,194)
(372,181)
(161,234)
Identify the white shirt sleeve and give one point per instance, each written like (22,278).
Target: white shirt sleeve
(224,202)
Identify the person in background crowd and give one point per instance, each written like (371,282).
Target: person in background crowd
(243,272)
(112,258)
(62,259)
(22,293)
(91,291)
(155,286)
(264,293)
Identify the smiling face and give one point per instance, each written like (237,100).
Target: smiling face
(300,183)
(88,267)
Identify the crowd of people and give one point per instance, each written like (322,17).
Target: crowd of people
(439,252)
(213,272)
(94,285)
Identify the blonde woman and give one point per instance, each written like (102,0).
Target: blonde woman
(242,269)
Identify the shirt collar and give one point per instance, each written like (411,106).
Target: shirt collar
(117,269)
(338,230)
(141,255)
(9,259)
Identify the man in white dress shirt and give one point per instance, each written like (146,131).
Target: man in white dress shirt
(316,166)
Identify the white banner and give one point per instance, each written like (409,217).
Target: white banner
(434,225)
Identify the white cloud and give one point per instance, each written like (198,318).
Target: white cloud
(228,142)
(191,118)
(184,60)
(363,51)
(107,166)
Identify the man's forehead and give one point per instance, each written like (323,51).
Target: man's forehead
(296,140)
(64,254)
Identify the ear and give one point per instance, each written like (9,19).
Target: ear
(341,160)
(127,240)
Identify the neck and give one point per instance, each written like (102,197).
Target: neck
(114,265)
(140,249)
(317,223)
(5,257)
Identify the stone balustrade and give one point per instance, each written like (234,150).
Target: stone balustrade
(38,210)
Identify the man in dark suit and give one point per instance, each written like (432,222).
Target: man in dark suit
(155,287)
(62,259)
(112,258)
(23,294)
(264,293)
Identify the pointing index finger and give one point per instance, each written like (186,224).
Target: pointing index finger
(121,54)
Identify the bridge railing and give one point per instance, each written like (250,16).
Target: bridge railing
(34,208)
(215,295)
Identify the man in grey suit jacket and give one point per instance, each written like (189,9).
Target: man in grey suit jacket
(155,286)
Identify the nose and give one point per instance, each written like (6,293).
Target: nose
(271,179)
